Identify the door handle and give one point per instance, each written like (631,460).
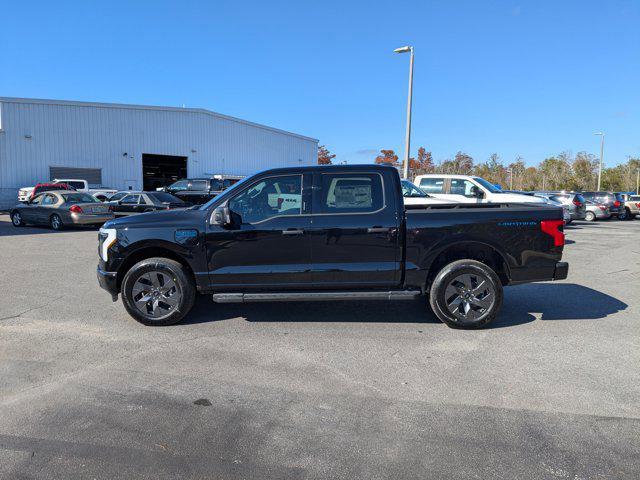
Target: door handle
(378,230)
(293,231)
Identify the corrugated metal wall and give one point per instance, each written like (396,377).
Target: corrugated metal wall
(39,134)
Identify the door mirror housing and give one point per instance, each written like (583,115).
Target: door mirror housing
(477,192)
(221,216)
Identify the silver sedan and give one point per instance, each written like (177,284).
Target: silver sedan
(59,208)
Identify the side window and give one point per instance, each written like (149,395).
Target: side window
(76,185)
(49,200)
(432,185)
(461,187)
(350,193)
(117,196)
(37,200)
(198,185)
(131,199)
(271,197)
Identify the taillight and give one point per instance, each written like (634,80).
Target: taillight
(554,228)
(616,203)
(75,209)
(577,202)
(638,205)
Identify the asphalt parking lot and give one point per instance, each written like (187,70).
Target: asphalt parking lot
(314,390)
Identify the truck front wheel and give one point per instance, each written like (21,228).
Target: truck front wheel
(466,294)
(158,291)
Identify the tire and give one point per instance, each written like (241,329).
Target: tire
(55,222)
(627,215)
(165,305)
(466,279)
(16,219)
(590,217)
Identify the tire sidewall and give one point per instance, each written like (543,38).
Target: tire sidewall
(590,217)
(177,273)
(21,223)
(448,273)
(52,223)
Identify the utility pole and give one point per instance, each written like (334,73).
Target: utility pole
(638,181)
(407,141)
(601,159)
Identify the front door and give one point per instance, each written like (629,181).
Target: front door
(462,190)
(267,246)
(129,205)
(30,211)
(355,239)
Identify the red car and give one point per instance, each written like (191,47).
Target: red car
(47,187)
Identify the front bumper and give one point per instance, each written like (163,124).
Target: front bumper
(561,271)
(108,281)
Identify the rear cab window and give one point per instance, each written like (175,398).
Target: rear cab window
(341,193)
(432,185)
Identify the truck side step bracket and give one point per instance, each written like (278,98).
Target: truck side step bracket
(314,296)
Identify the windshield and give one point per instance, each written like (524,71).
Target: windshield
(410,190)
(489,186)
(79,198)
(229,191)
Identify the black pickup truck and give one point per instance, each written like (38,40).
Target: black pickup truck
(329,233)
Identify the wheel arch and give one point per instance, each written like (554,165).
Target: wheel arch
(468,249)
(145,252)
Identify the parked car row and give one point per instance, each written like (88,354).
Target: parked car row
(590,206)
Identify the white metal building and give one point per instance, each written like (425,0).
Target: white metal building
(133,146)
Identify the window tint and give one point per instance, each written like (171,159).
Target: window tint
(76,185)
(165,197)
(117,196)
(79,198)
(410,190)
(131,199)
(432,185)
(274,196)
(179,185)
(49,200)
(36,200)
(350,193)
(462,187)
(198,185)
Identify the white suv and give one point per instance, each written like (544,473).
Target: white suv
(468,189)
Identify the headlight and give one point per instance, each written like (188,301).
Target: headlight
(106,238)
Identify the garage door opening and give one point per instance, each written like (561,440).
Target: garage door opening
(162,170)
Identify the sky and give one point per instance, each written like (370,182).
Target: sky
(519,78)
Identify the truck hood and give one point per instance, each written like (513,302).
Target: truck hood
(177,218)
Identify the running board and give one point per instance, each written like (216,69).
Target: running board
(313,296)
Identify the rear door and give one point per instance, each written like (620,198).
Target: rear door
(434,186)
(129,204)
(47,205)
(355,240)
(461,190)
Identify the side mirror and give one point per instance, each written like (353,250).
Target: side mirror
(221,216)
(476,192)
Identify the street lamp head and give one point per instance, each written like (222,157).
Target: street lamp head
(599,133)
(404,49)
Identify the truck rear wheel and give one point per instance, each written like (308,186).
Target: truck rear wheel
(158,291)
(466,294)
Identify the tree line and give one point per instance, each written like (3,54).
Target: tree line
(564,171)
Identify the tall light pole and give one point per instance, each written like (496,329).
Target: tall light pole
(601,156)
(638,181)
(407,141)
